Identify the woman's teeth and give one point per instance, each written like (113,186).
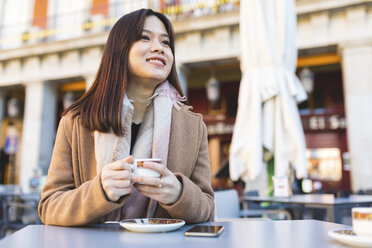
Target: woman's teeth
(156,61)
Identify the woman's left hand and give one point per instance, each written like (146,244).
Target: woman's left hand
(166,189)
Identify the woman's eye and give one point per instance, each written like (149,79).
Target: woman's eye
(165,42)
(145,37)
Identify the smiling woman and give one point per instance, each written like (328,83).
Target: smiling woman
(134,110)
(151,58)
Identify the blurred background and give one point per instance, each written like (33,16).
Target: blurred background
(50,51)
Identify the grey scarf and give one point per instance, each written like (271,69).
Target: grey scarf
(152,142)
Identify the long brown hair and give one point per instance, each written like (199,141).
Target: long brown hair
(100,107)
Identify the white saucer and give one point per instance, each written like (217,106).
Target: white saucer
(347,236)
(150,225)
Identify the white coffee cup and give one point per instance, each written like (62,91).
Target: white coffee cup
(139,170)
(362,221)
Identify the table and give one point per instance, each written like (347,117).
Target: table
(240,233)
(328,202)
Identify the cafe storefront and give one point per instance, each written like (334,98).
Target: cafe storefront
(323,116)
(324,122)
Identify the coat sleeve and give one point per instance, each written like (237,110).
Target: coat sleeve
(196,203)
(63,201)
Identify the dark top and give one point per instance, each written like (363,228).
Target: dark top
(135,129)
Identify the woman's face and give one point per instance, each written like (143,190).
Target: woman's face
(151,58)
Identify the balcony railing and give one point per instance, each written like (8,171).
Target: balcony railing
(186,9)
(83,22)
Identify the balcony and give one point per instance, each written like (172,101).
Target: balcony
(90,20)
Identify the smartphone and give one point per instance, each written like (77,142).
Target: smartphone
(204,231)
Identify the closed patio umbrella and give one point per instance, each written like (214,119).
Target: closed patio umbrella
(269,89)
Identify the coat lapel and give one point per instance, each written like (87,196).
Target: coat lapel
(85,147)
(184,141)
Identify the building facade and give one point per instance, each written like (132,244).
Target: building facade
(50,55)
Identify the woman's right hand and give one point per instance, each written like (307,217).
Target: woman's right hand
(116,178)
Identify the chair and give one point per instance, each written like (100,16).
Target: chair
(271,210)
(365,192)
(17,209)
(227,207)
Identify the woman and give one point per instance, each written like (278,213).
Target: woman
(133,107)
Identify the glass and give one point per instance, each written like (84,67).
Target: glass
(324,164)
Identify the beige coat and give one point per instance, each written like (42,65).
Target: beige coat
(73,193)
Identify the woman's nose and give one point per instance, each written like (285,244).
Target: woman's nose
(156,47)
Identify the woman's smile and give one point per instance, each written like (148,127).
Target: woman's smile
(157,61)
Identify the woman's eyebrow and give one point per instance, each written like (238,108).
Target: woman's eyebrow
(162,34)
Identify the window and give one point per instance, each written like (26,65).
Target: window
(16,18)
(324,164)
(69,15)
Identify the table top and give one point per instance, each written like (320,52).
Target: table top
(324,199)
(240,233)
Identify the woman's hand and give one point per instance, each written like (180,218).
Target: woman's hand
(166,189)
(116,178)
